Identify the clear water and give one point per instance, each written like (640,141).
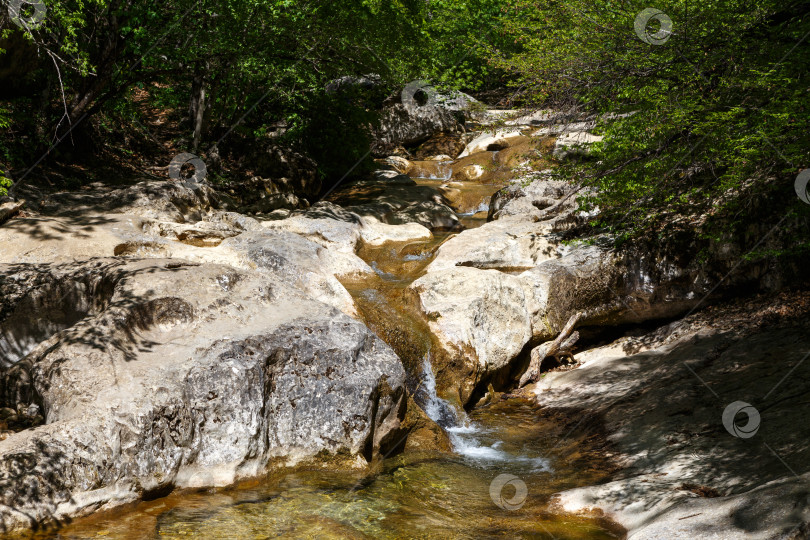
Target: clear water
(422,495)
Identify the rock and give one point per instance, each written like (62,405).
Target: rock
(608,289)
(486,117)
(526,197)
(398,203)
(535,118)
(174,201)
(353,83)
(375,233)
(180,375)
(262,196)
(432,169)
(574,142)
(278,178)
(424,435)
(471,172)
(492,291)
(9,209)
(497,141)
(660,398)
(208,233)
(398,164)
(506,245)
(78,237)
(305,265)
(481,321)
(290,171)
(392,177)
(405,126)
(459,102)
(225,238)
(326,224)
(443,144)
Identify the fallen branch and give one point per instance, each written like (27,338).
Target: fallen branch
(559,348)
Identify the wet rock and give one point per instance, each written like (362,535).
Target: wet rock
(397,164)
(471,172)
(466,198)
(424,435)
(188,375)
(392,177)
(500,139)
(447,144)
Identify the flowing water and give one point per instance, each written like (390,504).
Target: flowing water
(414,494)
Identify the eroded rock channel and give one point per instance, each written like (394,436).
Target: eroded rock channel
(352,369)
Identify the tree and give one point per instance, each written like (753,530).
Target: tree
(717,111)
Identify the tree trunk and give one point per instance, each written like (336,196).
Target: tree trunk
(197,105)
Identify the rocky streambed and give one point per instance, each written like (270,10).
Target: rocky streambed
(350,369)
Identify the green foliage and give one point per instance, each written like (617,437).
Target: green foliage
(719,124)
(260,63)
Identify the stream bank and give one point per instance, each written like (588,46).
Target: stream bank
(344,369)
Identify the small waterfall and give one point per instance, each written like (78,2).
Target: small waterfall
(435,407)
(464,434)
(443,171)
(483,207)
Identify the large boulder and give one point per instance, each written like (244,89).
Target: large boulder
(156,374)
(480,320)
(279,178)
(662,399)
(528,195)
(165,200)
(484,318)
(221,238)
(402,125)
(506,245)
(450,144)
(493,292)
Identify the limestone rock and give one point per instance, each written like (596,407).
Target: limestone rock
(404,126)
(481,320)
(398,164)
(490,141)
(167,374)
(574,142)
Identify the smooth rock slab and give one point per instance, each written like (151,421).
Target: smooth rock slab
(176,374)
(480,320)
